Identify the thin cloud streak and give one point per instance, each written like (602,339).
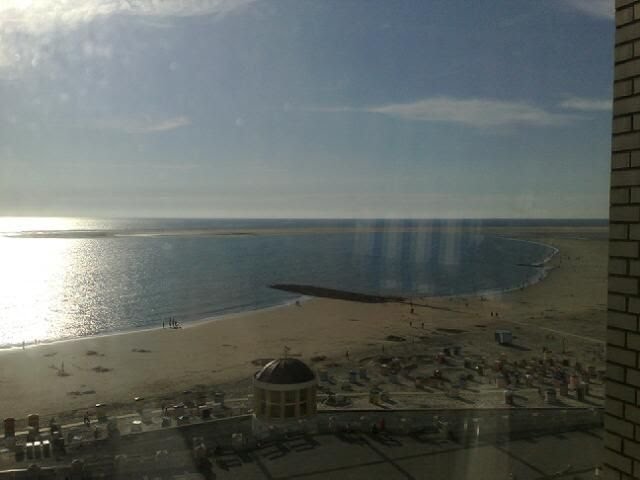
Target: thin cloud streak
(586,104)
(143,125)
(594,8)
(136,164)
(472,112)
(165,125)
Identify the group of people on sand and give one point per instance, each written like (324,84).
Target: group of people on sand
(35,342)
(173,323)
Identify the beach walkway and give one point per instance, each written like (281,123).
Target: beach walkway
(571,455)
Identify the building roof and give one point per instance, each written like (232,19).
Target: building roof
(284,371)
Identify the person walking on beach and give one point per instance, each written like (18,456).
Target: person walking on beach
(163,324)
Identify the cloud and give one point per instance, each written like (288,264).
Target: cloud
(143,125)
(25,25)
(474,112)
(89,165)
(36,15)
(594,8)
(586,104)
(165,125)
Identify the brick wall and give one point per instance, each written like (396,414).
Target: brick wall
(622,420)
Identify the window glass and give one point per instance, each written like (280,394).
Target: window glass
(290,396)
(275,396)
(404,202)
(290,411)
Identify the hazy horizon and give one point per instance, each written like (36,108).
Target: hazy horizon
(196,217)
(18,224)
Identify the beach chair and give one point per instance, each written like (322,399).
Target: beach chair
(46,448)
(29,450)
(136,426)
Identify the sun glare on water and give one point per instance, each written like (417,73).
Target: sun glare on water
(33,280)
(30,284)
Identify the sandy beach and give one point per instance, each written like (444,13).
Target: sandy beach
(565,310)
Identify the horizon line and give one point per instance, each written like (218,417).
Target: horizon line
(118,217)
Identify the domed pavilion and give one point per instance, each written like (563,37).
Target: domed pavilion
(284,394)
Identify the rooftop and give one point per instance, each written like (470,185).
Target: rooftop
(285,371)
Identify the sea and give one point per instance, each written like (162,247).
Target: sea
(64,278)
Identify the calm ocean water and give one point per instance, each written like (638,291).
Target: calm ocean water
(86,276)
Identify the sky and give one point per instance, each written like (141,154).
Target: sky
(305,108)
